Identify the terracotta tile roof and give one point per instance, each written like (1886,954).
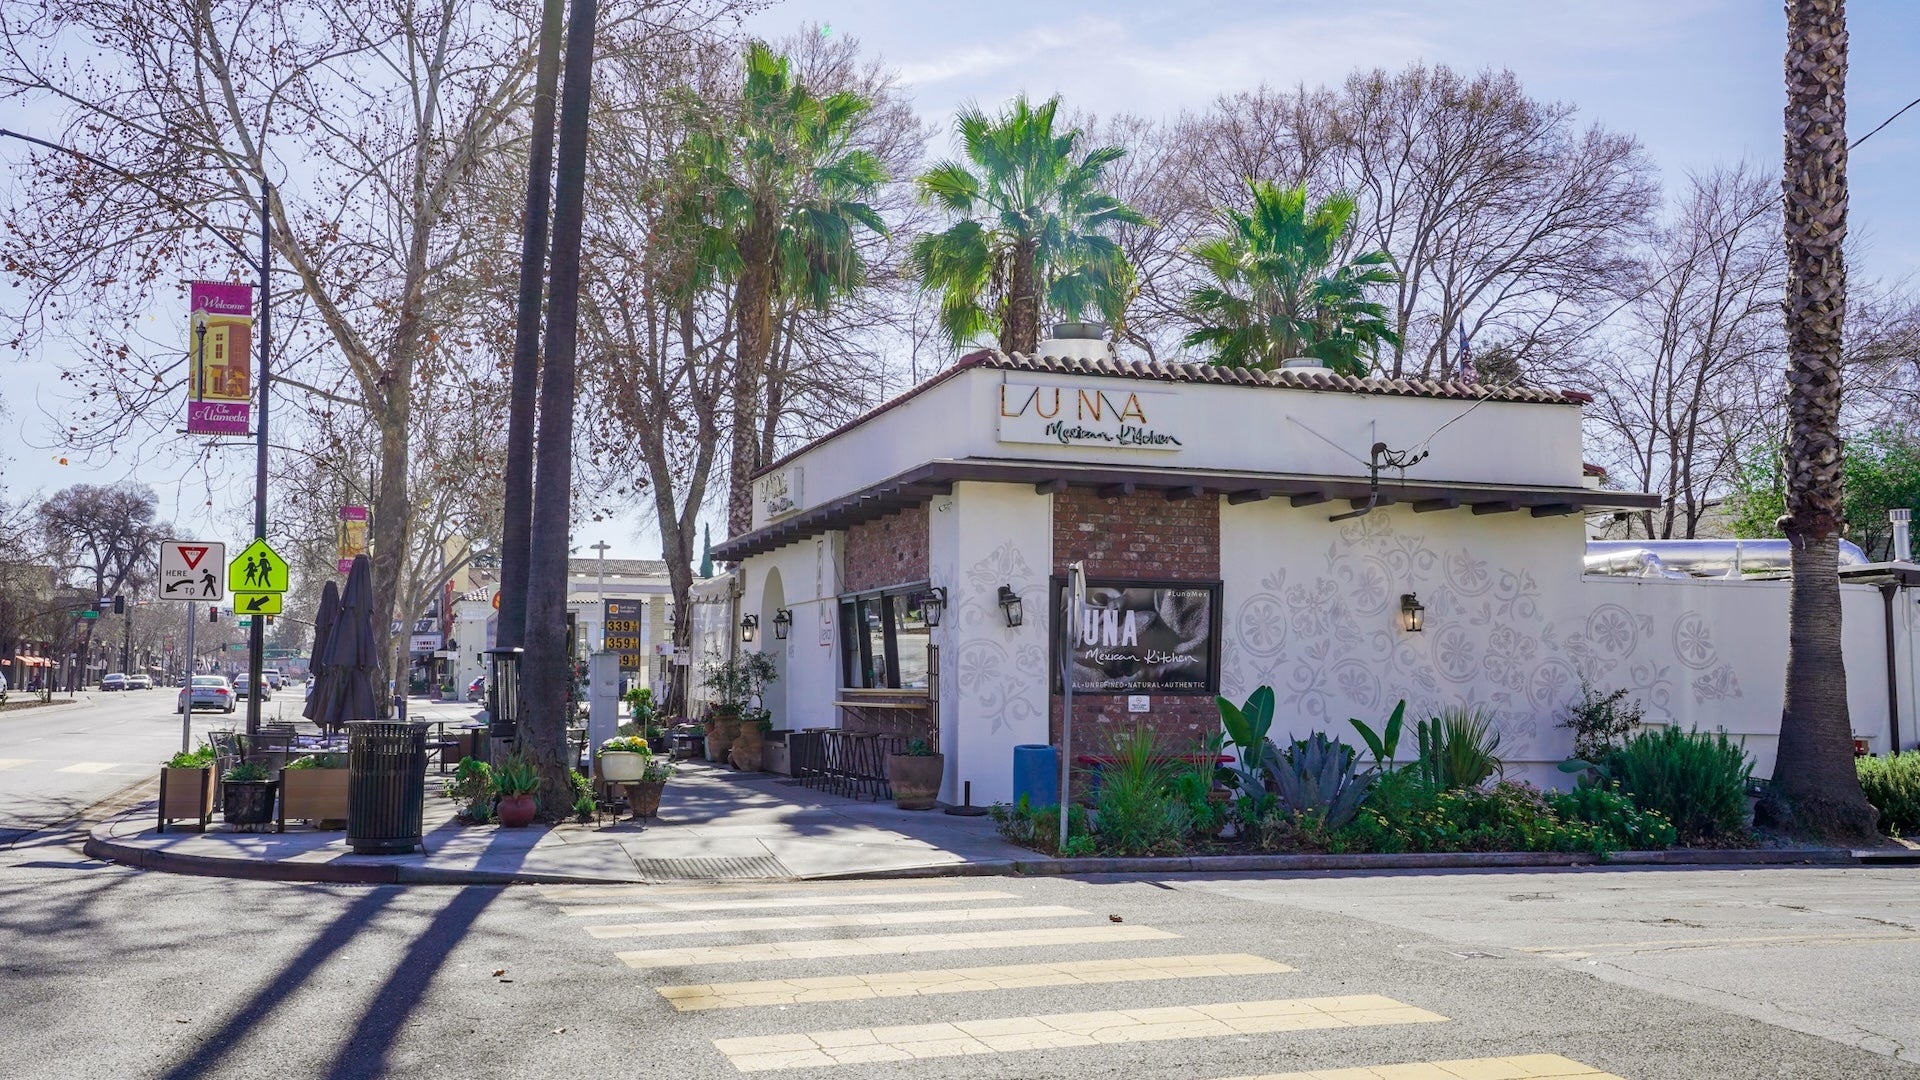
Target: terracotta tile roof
(1293,378)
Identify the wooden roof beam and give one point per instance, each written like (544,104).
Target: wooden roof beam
(1049,487)
(1428,506)
(1118,491)
(1190,491)
(1251,495)
(1308,498)
(1554,510)
(1505,506)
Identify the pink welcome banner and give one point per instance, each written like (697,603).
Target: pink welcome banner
(220,358)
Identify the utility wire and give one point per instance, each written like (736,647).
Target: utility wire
(1883,123)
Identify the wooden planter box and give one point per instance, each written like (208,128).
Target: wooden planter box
(312,795)
(184,794)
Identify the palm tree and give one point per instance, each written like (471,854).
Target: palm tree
(1030,238)
(1281,289)
(779,191)
(1815,788)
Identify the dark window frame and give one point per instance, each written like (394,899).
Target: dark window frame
(856,640)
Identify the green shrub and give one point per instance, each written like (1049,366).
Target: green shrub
(1038,827)
(1600,720)
(472,788)
(1136,810)
(1458,749)
(1624,826)
(192,759)
(319,761)
(1892,785)
(516,776)
(245,772)
(1694,779)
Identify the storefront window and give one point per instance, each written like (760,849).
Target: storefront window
(883,641)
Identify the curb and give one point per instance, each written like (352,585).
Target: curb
(101,844)
(1462,860)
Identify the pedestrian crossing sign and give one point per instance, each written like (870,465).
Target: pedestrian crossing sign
(258,569)
(263,603)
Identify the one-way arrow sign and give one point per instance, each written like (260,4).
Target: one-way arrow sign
(191,570)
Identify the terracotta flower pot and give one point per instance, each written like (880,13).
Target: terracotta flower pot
(915,779)
(720,737)
(516,811)
(644,797)
(749,748)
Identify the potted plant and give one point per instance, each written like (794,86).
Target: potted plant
(246,792)
(736,684)
(640,701)
(623,759)
(583,803)
(448,693)
(186,788)
(644,794)
(749,747)
(915,775)
(515,782)
(472,788)
(314,788)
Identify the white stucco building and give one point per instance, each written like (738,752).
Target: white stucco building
(1233,536)
(590,582)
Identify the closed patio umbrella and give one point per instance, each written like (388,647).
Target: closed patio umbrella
(351,662)
(317,662)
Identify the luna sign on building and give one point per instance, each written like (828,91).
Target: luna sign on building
(1089,416)
(220,358)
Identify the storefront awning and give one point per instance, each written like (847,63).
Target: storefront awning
(921,483)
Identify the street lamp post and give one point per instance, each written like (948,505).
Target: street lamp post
(600,588)
(256,640)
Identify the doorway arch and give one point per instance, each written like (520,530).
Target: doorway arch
(773,597)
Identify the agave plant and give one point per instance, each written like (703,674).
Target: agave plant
(1321,775)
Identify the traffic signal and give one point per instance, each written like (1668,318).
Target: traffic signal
(213,614)
(94,606)
(119,605)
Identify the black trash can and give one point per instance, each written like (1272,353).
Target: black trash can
(386,786)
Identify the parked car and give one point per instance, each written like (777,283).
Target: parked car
(208,692)
(477,689)
(115,681)
(139,682)
(241,687)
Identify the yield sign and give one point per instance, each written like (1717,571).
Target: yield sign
(190,570)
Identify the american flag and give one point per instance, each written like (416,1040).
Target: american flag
(1467,374)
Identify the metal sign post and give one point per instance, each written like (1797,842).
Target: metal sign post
(1070,620)
(186,683)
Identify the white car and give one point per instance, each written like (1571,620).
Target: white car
(139,682)
(271,676)
(208,692)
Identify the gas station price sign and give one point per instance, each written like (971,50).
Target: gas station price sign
(622,633)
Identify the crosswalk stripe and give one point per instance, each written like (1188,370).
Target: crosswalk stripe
(916,1041)
(91,766)
(604,910)
(908,888)
(964,980)
(14,762)
(892,945)
(1523,1067)
(815,922)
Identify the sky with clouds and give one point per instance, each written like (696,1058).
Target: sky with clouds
(1697,81)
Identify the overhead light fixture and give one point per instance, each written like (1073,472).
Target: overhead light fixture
(749,627)
(933,605)
(1010,604)
(782,624)
(1413,614)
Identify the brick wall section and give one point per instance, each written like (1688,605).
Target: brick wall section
(1142,536)
(887,551)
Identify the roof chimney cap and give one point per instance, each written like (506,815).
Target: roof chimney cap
(1076,341)
(1303,363)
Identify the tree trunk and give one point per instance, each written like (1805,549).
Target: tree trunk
(547,670)
(387,539)
(517,511)
(753,310)
(1815,789)
(1021,333)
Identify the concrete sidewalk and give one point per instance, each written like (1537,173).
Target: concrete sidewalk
(714,825)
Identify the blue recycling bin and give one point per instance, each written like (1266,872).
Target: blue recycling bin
(1036,774)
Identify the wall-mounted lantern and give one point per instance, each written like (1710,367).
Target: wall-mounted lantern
(933,605)
(782,624)
(749,627)
(1413,614)
(1010,604)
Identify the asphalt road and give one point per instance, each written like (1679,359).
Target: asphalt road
(1642,975)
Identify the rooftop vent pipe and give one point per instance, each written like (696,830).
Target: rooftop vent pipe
(1303,363)
(1902,535)
(1077,341)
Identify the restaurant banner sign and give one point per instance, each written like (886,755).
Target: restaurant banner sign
(1142,637)
(220,358)
(350,536)
(1057,415)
